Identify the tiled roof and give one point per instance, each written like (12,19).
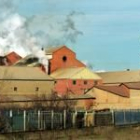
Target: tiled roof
(118,90)
(120,76)
(75,73)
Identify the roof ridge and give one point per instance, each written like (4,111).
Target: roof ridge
(76,72)
(102,87)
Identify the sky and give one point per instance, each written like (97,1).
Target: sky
(105,34)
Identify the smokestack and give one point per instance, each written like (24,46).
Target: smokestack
(3,61)
(49,68)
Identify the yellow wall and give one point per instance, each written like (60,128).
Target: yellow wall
(134,93)
(26,87)
(135,98)
(106,99)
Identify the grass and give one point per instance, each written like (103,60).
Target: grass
(97,133)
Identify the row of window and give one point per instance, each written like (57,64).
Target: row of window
(85,82)
(16,89)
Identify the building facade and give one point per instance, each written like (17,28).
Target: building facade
(62,57)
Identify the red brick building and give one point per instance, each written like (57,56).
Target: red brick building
(70,74)
(9,59)
(62,57)
(75,80)
(12,58)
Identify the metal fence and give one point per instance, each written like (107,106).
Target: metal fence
(129,117)
(34,120)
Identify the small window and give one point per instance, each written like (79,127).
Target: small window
(85,82)
(37,89)
(74,82)
(95,82)
(64,58)
(15,88)
(55,82)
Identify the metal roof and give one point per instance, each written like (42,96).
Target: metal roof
(22,73)
(132,85)
(74,73)
(118,90)
(120,76)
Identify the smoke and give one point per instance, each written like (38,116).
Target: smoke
(14,34)
(56,30)
(28,35)
(6,8)
(15,37)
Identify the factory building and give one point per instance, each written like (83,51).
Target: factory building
(76,80)
(9,59)
(69,73)
(27,81)
(62,57)
(117,77)
(64,74)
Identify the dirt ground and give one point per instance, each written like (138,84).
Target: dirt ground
(98,133)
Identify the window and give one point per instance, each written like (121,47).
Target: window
(64,58)
(55,82)
(37,89)
(85,82)
(15,88)
(74,82)
(95,82)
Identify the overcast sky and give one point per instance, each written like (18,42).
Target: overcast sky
(107,31)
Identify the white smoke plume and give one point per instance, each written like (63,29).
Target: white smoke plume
(14,35)
(19,34)
(56,30)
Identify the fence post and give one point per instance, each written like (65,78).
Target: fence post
(85,119)
(124,117)
(52,118)
(74,118)
(64,121)
(11,119)
(38,119)
(93,120)
(113,119)
(24,119)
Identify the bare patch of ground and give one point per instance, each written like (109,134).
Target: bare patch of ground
(97,133)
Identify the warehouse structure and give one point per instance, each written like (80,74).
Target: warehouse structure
(65,75)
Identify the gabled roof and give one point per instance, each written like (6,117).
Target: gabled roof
(51,50)
(75,73)
(132,85)
(12,58)
(29,59)
(22,73)
(120,76)
(118,90)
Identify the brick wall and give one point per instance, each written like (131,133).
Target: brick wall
(64,58)
(78,86)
